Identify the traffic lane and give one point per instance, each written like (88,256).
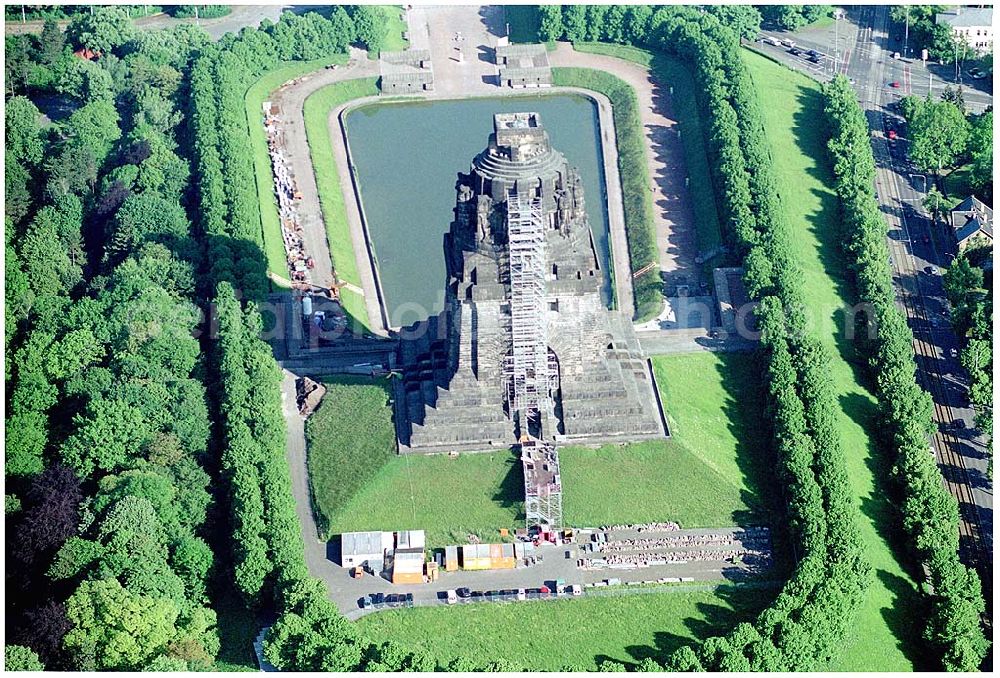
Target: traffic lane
(927,279)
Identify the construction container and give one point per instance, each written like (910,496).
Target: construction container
(450,558)
(506,561)
(410,539)
(496,551)
(408,566)
(476,557)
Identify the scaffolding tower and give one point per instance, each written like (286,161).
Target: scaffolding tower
(542,484)
(529,370)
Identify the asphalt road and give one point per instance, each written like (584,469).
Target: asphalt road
(920,251)
(846,47)
(238,18)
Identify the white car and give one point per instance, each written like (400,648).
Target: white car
(452,597)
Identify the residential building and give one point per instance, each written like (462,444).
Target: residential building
(973,25)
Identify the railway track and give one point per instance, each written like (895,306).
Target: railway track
(945,444)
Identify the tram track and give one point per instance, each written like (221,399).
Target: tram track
(911,299)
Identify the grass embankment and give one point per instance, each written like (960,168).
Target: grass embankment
(884,635)
(637,196)
(672,73)
(350,437)
(259,92)
(709,474)
(549,635)
(338,234)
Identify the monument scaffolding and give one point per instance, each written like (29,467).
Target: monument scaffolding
(527,368)
(542,484)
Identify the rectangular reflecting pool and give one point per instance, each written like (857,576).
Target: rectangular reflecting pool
(407,157)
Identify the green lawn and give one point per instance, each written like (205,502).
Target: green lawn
(350,437)
(338,234)
(885,635)
(549,635)
(395,27)
(708,474)
(256,95)
(673,73)
(956,185)
(448,497)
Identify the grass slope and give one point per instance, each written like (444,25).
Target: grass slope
(338,234)
(259,92)
(350,437)
(522,21)
(637,197)
(448,497)
(395,28)
(708,474)
(549,635)
(885,635)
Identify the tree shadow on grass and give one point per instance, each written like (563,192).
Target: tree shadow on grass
(880,509)
(904,616)
(510,492)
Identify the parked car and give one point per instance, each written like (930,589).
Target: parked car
(931,270)
(451,597)
(394,600)
(408,602)
(894,84)
(522,594)
(365,602)
(577,590)
(463,592)
(378,600)
(976,73)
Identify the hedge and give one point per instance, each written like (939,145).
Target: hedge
(930,512)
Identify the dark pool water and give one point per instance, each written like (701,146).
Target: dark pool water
(407,157)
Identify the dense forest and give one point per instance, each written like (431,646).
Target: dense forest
(120,529)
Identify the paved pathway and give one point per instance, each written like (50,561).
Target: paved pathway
(673,211)
(291,99)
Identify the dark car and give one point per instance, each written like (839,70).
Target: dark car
(408,600)
(476,595)
(814,53)
(795,51)
(533,593)
(364,602)
(492,595)
(814,59)
(378,600)
(464,593)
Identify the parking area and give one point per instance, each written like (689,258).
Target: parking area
(598,558)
